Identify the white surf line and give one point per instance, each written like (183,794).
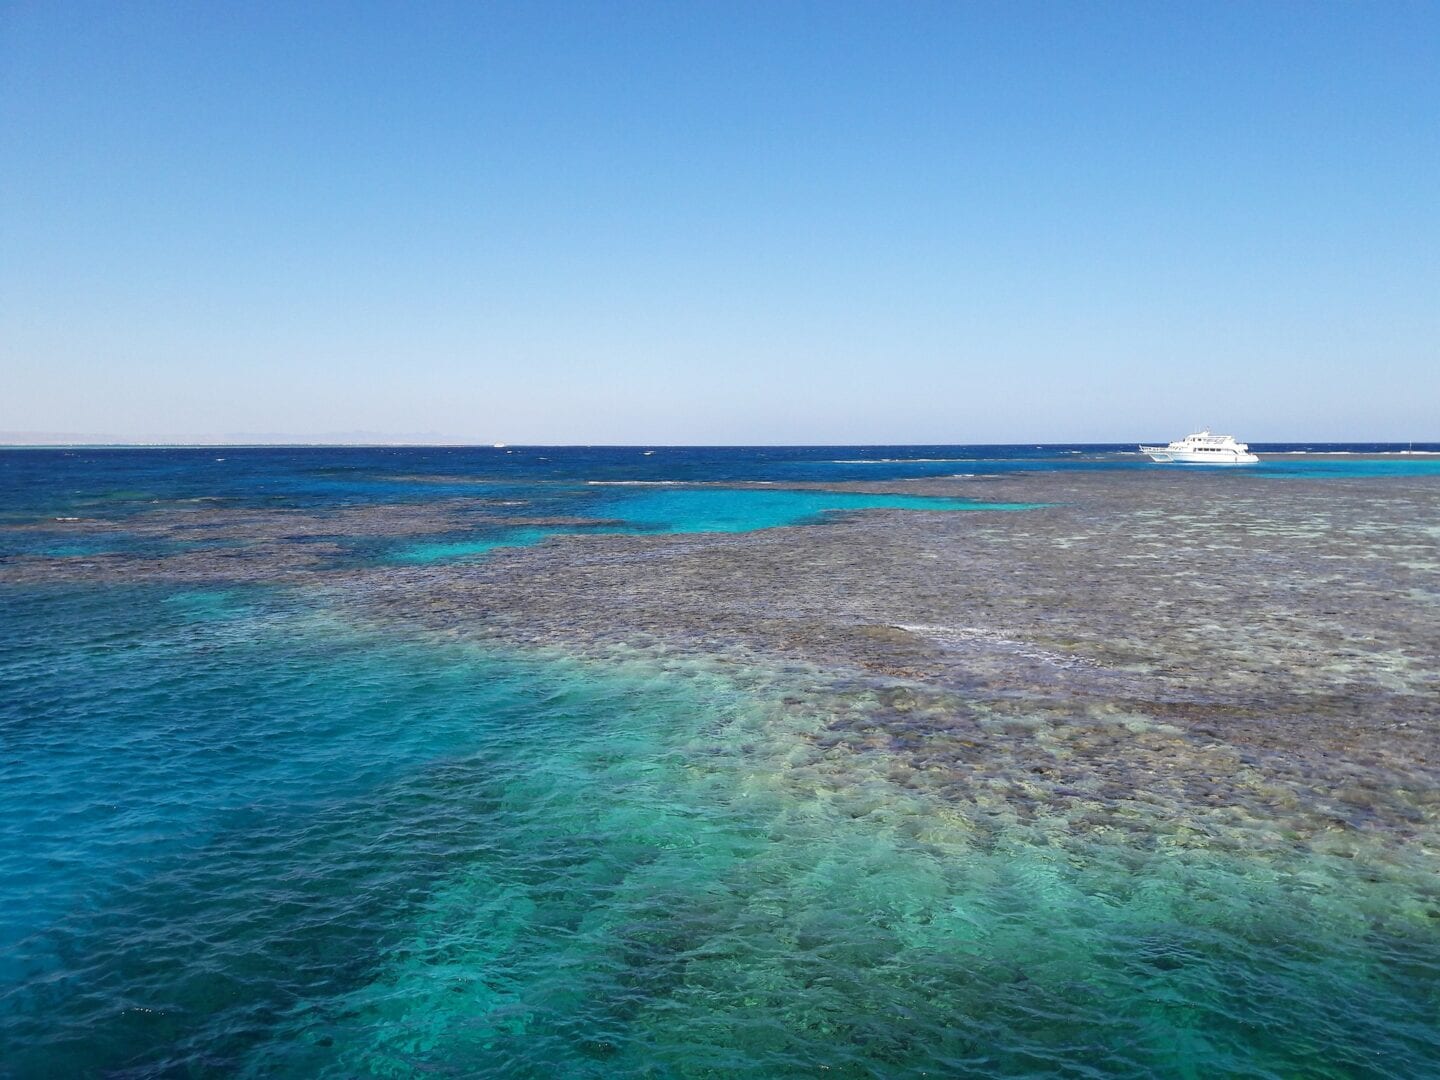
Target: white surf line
(958,636)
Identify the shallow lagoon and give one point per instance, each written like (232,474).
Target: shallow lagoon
(679,510)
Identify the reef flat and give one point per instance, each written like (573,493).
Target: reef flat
(1196,648)
(1192,650)
(1122,738)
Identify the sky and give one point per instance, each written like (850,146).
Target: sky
(721,223)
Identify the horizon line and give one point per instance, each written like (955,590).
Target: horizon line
(467,445)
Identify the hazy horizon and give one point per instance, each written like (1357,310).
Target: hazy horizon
(23,440)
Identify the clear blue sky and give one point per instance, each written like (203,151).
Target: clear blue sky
(722,222)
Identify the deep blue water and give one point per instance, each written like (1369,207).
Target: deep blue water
(244,833)
(117,480)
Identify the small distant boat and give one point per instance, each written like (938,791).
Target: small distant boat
(1203,448)
(498,446)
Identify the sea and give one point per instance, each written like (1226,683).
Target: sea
(245,831)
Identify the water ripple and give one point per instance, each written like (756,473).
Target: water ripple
(239,836)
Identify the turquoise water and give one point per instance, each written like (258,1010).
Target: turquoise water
(690,510)
(670,509)
(429,551)
(241,836)
(1337,466)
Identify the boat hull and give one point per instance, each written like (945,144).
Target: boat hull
(1190,457)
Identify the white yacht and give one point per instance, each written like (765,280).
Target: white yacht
(1203,448)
